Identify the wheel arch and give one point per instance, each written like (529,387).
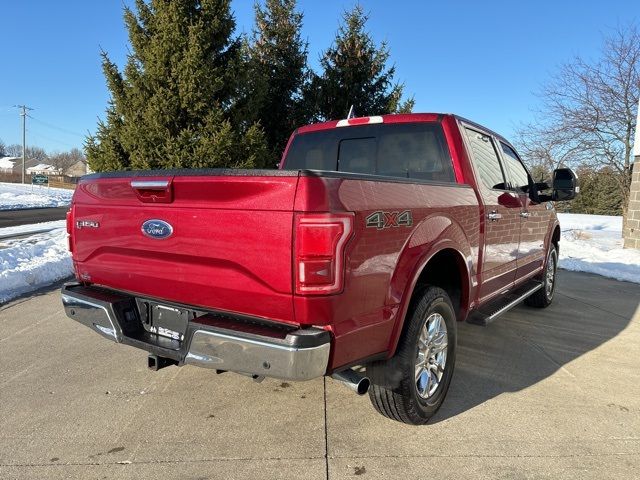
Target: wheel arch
(435,269)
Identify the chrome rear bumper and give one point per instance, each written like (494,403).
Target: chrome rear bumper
(210,341)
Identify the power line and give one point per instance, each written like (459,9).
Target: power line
(60,129)
(55,140)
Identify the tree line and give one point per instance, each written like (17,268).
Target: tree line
(195,94)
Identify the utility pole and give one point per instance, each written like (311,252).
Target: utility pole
(24,137)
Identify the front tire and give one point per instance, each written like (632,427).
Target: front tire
(411,386)
(544,296)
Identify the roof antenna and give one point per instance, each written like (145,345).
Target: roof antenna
(351,114)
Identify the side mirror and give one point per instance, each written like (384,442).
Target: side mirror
(565,185)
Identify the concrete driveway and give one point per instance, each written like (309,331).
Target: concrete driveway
(537,394)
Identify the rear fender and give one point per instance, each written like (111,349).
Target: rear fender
(435,234)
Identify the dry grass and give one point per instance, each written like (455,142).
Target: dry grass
(579,235)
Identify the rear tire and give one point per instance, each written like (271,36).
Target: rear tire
(411,386)
(544,296)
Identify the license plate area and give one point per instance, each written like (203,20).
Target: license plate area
(165,320)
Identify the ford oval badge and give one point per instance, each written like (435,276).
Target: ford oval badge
(157,229)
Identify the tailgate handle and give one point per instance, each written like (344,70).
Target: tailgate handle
(150,184)
(153,191)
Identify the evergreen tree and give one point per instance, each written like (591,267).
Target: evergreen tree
(599,193)
(355,73)
(277,70)
(171,106)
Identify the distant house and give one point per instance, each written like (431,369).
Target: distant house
(77,169)
(7,164)
(43,169)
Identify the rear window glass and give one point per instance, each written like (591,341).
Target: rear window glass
(417,150)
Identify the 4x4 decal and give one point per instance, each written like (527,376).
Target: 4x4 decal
(382,220)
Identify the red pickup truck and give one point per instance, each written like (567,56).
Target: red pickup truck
(364,248)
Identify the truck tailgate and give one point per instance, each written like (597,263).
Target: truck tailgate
(229,249)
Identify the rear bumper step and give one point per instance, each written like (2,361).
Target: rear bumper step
(211,340)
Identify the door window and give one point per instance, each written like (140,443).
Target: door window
(518,176)
(486,161)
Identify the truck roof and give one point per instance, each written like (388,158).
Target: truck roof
(392,118)
(389,118)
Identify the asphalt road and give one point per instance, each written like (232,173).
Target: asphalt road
(537,394)
(26,216)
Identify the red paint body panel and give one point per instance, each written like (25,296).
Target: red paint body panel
(234,233)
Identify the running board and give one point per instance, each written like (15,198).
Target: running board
(487,314)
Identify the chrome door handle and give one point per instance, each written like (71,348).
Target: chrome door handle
(525,214)
(494,216)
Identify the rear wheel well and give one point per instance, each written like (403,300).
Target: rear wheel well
(446,269)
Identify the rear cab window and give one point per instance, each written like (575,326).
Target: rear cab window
(411,150)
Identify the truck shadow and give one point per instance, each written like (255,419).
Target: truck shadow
(528,345)
(34,294)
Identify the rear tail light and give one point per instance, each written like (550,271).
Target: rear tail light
(320,241)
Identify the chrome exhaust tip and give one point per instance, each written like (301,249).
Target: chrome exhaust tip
(352,379)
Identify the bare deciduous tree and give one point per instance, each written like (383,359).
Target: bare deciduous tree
(64,160)
(13,150)
(35,153)
(588,111)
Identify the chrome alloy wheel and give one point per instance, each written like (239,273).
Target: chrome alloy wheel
(431,356)
(550,274)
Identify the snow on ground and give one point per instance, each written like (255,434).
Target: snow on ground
(15,196)
(27,264)
(593,243)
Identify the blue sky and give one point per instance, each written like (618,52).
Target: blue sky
(483,60)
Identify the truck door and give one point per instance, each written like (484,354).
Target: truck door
(500,222)
(535,217)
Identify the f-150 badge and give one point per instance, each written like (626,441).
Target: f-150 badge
(157,229)
(382,220)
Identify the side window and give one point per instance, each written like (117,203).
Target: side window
(485,160)
(518,176)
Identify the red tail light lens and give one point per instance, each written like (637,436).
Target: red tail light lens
(320,241)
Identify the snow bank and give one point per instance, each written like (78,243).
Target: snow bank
(32,228)
(30,263)
(593,243)
(15,196)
